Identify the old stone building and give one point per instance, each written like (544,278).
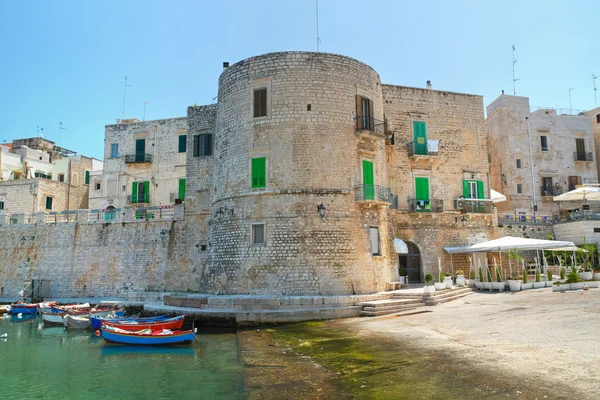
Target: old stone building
(39,176)
(144,164)
(594,116)
(537,155)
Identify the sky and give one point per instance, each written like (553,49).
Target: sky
(66,61)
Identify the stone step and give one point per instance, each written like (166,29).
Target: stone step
(435,301)
(393,307)
(383,312)
(387,302)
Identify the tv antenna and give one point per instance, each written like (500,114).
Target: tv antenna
(595,90)
(124,94)
(570,103)
(60,128)
(318,39)
(144,118)
(514,79)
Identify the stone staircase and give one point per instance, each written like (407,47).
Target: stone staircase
(402,302)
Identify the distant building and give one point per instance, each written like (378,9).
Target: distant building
(594,116)
(37,175)
(144,164)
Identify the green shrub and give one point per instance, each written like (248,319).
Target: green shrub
(573,277)
(480,274)
(563,271)
(471,274)
(549,274)
(498,275)
(441,277)
(460,272)
(428,278)
(537,275)
(489,275)
(525,276)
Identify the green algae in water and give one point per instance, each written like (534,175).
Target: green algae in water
(379,369)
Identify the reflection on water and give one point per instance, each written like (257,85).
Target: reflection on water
(32,357)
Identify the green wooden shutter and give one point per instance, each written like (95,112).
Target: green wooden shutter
(465,189)
(368,181)
(420,137)
(146,192)
(196,145)
(134,192)
(181,188)
(87,177)
(259,172)
(182,143)
(422,188)
(480,192)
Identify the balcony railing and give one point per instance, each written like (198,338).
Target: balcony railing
(551,190)
(371,125)
(373,193)
(583,156)
(522,219)
(138,158)
(425,149)
(474,206)
(138,198)
(431,205)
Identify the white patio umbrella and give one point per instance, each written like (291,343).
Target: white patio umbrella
(496,197)
(583,193)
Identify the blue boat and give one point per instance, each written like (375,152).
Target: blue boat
(97,321)
(147,337)
(23,308)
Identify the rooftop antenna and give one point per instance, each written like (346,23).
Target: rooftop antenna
(124,94)
(60,128)
(514,79)
(318,39)
(144,118)
(570,104)
(595,90)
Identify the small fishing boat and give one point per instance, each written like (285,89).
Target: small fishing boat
(168,323)
(51,318)
(4,309)
(97,321)
(59,309)
(24,308)
(147,337)
(76,321)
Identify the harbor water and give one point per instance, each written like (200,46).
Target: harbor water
(52,363)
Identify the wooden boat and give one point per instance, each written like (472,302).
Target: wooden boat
(51,318)
(24,308)
(76,321)
(169,323)
(97,321)
(4,310)
(147,337)
(59,309)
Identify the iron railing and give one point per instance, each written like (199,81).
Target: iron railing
(422,150)
(138,158)
(431,205)
(372,193)
(370,124)
(474,206)
(138,198)
(583,156)
(551,190)
(526,219)
(155,212)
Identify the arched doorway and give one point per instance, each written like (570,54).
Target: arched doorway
(411,264)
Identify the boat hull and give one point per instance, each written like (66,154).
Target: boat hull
(76,321)
(183,337)
(98,321)
(172,323)
(52,318)
(24,308)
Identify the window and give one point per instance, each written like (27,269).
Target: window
(374,239)
(597,230)
(97,186)
(61,177)
(519,188)
(42,175)
(260,102)
(259,173)
(598,118)
(473,190)
(544,140)
(258,234)
(573,182)
(422,202)
(203,145)
(364,114)
(48,203)
(140,150)
(140,192)
(181,189)
(182,143)
(420,138)
(518,163)
(2,205)
(114,150)
(580,150)
(547,187)
(87,178)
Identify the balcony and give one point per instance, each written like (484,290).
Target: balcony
(139,198)
(431,149)
(373,193)
(551,190)
(431,205)
(138,158)
(474,206)
(370,127)
(583,156)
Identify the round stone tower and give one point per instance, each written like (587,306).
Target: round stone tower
(297,135)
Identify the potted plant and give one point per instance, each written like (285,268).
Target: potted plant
(560,286)
(549,277)
(448,280)
(471,281)
(574,280)
(428,288)
(440,285)
(499,284)
(514,283)
(526,285)
(460,278)
(585,272)
(538,284)
(479,282)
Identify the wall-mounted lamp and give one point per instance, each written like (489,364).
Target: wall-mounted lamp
(503,177)
(222,211)
(321,210)
(23,239)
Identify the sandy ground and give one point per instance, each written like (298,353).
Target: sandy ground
(539,338)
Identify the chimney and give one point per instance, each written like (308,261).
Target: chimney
(225,65)
(429,87)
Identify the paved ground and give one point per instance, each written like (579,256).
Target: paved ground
(537,337)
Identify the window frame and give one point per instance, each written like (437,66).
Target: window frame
(207,148)
(97,185)
(260,109)
(1,204)
(371,230)
(519,163)
(51,203)
(519,188)
(114,150)
(544,141)
(60,178)
(181,143)
(266,174)
(253,233)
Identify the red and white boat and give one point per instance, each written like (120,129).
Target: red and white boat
(169,323)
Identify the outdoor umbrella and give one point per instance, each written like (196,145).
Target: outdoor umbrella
(583,193)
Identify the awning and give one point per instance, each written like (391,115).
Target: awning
(510,243)
(496,197)
(400,246)
(583,193)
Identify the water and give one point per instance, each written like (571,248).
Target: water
(52,363)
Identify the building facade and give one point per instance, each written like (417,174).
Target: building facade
(594,116)
(537,155)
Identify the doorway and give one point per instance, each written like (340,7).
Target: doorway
(410,264)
